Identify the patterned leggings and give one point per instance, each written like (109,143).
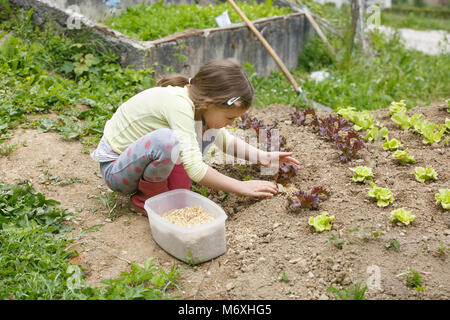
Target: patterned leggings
(152,157)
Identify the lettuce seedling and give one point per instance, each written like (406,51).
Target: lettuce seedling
(425,174)
(362,174)
(443,197)
(383,195)
(331,127)
(286,172)
(321,222)
(447,124)
(403,157)
(362,120)
(427,130)
(403,216)
(376,133)
(415,121)
(299,117)
(396,107)
(430,136)
(391,145)
(349,145)
(304,200)
(402,120)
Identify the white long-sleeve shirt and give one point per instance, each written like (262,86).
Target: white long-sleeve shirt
(163,107)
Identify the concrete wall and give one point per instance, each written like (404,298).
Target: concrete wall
(185,52)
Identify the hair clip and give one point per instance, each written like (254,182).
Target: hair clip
(232,100)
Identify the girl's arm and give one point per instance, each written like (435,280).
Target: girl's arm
(243,150)
(252,188)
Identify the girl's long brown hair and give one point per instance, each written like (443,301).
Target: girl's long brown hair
(216,83)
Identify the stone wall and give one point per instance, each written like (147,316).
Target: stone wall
(185,52)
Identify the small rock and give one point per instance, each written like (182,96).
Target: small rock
(310,274)
(288,122)
(276,225)
(447,232)
(294,261)
(108,220)
(323,297)
(229,286)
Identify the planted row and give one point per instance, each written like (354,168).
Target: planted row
(431,132)
(375,131)
(384,196)
(336,129)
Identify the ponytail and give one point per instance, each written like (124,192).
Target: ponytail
(217,82)
(174,80)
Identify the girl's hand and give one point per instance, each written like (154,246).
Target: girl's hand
(258,188)
(275,158)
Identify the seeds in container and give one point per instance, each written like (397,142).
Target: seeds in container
(188,216)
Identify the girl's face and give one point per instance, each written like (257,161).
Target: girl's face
(217,118)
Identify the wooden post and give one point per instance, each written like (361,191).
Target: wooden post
(267,46)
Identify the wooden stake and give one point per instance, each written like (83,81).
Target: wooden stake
(267,46)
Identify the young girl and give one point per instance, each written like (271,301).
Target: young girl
(151,144)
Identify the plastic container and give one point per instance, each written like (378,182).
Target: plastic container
(190,244)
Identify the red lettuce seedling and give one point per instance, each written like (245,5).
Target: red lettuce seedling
(246,122)
(332,125)
(286,172)
(349,145)
(299,117)
(304,200)
(319,190)
(334,128)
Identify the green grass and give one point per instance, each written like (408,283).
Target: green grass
(46,70)
(355,293)
(153,21)
(366,82)
(414,21)
(34,261)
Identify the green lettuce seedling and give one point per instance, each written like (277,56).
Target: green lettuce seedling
(396,107)
(448,105)
(403,157)
(362,120)
(403,216)
(443,197)
(376,133)
(424,174)
(383,195)
(391,145)
(362,174)
(402,120)
(447,124)
(321,222)
(415,121)
(426,129)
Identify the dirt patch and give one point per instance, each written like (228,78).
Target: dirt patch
(265,240)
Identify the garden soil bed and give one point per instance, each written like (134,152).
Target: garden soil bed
(264,239)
